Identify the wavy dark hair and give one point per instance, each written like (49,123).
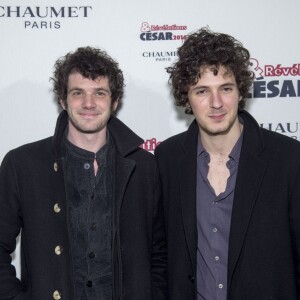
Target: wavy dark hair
(205,48)
(90,63)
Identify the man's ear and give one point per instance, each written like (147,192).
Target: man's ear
(115,105)
(62,104)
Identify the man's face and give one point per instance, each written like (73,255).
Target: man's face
(214,100)
(88,104)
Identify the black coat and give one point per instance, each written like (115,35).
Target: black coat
(264,243)
(32,198)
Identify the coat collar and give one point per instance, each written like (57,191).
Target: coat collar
(188,169)
(251,129)
(253,139)
(250,175)
(124,139)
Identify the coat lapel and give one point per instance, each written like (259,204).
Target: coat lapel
(249,179)
(124,142)
(188,167)
(123,169)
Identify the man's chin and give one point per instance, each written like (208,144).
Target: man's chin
(89,130)
(215,131)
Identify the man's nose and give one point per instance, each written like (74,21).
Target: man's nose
(88,101)
(216,100)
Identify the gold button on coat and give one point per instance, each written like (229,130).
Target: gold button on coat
(55,166)
(56,208)
(58,250)
(56,295)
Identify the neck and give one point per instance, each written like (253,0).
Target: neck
(221,145)
(88,141)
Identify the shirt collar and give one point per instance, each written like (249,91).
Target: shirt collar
(85,154)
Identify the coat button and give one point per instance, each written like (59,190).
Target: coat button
(55,166)
(192,278)
(58,250)
(56,208)
(56,295)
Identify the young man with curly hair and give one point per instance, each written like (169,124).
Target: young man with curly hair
(87,200)
(231,189)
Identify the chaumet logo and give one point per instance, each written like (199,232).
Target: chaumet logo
(271,81)
(44,17)
(162,32)
(289,129)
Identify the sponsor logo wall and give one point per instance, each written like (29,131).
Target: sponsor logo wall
(278,82)
(144,37)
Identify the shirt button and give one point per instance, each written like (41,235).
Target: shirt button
(217,258)
(56,295)
(89,284)
(220,286)
(58,250)
(215,229)
(93,226)
(92,196)
(86,166)
(91,255)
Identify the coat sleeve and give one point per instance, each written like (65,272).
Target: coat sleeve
(10,225)
(295,222)
(159,251)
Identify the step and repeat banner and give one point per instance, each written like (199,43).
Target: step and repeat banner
(143,36)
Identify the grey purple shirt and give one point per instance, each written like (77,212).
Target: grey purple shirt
(213,226)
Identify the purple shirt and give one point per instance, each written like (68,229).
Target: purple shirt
(213,226)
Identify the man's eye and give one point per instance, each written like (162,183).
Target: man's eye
(77,93)
(227,89)
(200,92)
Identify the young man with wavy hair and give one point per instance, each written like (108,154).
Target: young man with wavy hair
(231,189)
(86,200)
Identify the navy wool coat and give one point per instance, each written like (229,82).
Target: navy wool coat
(264,243)
(33,201)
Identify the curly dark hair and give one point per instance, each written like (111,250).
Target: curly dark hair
(205,48)
(90,63)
